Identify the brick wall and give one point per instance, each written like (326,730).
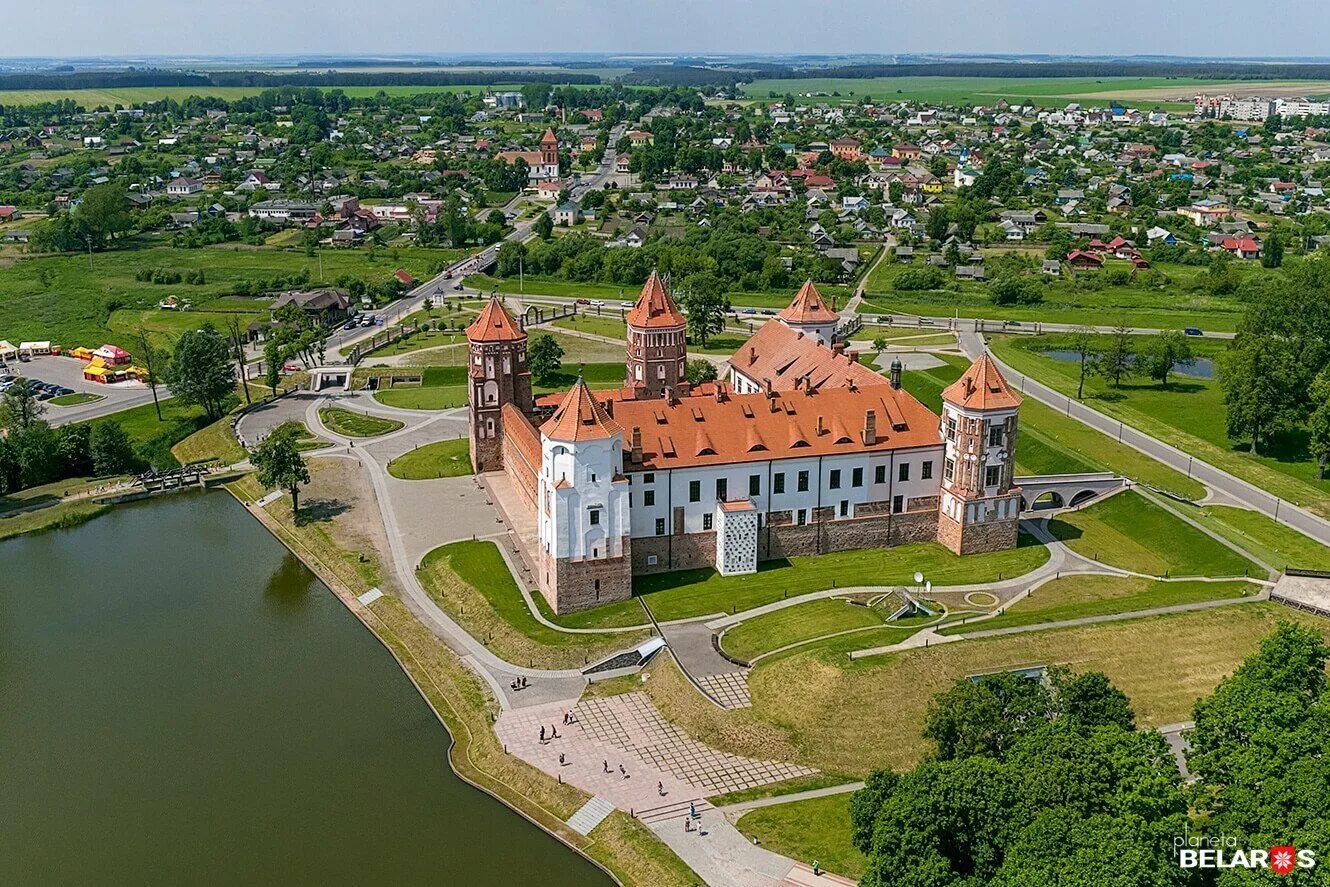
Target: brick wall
(521,455)
(568,586)
(687,551)
(976,538)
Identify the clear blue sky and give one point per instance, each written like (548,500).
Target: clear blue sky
(172,27)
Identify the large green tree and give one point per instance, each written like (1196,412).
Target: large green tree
(544,358)
(111,450)
(1161,354)
(201,372)
(1262,394)
(278,463)
(704,301)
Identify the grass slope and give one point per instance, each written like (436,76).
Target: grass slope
(798,623)
(815,829)
(444,458)
(352,424)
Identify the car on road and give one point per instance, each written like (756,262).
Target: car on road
(625,304)
(1193,331)
(458,285)
(350,325)
(598,303)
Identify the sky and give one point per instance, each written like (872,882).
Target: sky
(231,27)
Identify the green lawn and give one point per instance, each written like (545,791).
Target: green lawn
(471,581)
(608,324)
(445,387)
(1278,545)
(352,424)
(439,397)
(1050,443)
(444,458)
(152,438)
(1189,414)
(686,593)
(817,829)
(212,443)
(1076,596)
(71,400)
(59,297)
(1130,532)
(801,622)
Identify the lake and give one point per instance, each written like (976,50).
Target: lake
(183,702)
(1201,367)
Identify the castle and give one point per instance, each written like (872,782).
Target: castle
(800,450)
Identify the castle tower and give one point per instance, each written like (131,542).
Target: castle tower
(809,313)
(980,503)
(657,342)
(496,374)
(585,553)
(549,150)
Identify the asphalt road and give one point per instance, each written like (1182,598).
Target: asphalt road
(69,373)
(1218,480)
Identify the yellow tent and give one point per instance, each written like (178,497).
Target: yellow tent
(97,371)
(81,353)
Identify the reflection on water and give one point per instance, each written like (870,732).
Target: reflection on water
(1201,367)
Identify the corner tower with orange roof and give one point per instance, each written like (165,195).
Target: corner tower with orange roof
(809,313)
(549,149)
(980,504)
(657,343)
(585,553)
(496,375)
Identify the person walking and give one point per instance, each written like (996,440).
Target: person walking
(542,732)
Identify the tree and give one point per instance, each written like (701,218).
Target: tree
(152,361)
(104,212)
(272,365)
(111,450)
(699,370)
(1272,254)
(543,226)
(1013,289)
(544,358)
(201,371)
(1117,359)
(879,345)
(706,305)
(19,408)
(11,469)
(1163,352)
(73,442)
(1083,346)
(279,464)
(235,337)
(1261,380)
(1318,423)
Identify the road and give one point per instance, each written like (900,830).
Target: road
(1219,481)
(441,285)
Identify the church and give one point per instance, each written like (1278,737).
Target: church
(798,450)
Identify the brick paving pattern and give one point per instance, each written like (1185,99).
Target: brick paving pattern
(727,690)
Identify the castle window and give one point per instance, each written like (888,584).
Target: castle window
(706,521)
(801,517)
(995,436)
(722,489)
(694,491)
(992,475)
(754,484)
(949,469)
(904,473)
(897,504)
(880,474)
(926,472)
(803,482)
(660,526)
(834,481)
(595,516)
(649,497)
(857,477)
(649,478)
(845,508)
(778,483)
(951,428)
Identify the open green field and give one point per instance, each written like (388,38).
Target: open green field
(443,458)
(613,294)
(1130,532)
(212,443)
(154,439)
(1189,414)
(801,622)
(445,387)
(137,95)
(818,708)
(473,584)
(60,298)
(1274,543)
(815,829)
(352,424)
(685,593)
(1048,442)
(1073,597)
(1169,93)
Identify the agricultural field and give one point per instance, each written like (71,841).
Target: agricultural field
(137,95)
(1189,414)
(1167,93)
(70,301)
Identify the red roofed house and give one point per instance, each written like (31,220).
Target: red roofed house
(1242,247)
(1082,259)
(806,451)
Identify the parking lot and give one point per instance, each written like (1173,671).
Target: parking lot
(68,372)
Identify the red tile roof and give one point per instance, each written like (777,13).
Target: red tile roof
(696,431)
(549,138)
(655,309)
(782,355)
(580,417)
(494,325)
(981,387)
(808,306)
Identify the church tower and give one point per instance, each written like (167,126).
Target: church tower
(497,375)
(809,313)
(980,505)
(657,343)
(549,151)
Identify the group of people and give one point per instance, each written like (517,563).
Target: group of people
(519,684)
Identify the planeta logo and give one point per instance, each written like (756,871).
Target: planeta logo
(1219,852)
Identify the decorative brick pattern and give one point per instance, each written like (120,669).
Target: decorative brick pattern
(728,690)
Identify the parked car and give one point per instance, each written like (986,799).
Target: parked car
(584,301)
(1193,331)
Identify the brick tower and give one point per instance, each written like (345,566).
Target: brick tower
(549,150)
(657,343)
(497,374)
(979,508)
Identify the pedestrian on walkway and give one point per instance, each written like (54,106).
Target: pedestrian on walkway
(565,719)
(606,765)
(660,788)
(562,762)
(623,772)
(542,732)
(554,732)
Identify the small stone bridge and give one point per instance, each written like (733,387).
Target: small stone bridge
(534,315)
(1048,492)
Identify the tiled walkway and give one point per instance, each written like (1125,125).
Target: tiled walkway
(729,690)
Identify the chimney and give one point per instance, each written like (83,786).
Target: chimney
(852,356)
(669,395)
(637,445)
(870,428)
(609,407)
(896,373)
(838,347)
(752,355)
(821,427)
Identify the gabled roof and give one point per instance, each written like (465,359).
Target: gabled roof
(494,324)
(981,387)
(549,137)
(784,355)
(580,417)
(654,308)
(808,307)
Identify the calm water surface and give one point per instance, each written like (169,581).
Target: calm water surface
(182,702)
